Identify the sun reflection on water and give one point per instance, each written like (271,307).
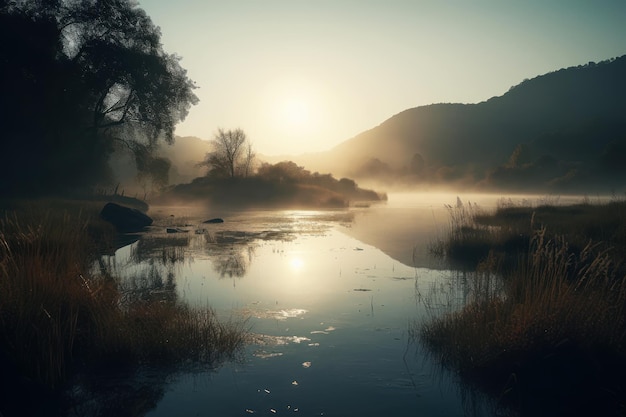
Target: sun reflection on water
(296,264)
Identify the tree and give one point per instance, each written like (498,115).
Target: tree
(417,164)
(86,77)
(285,171)
(232,155)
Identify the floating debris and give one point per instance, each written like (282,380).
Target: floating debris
(306,364)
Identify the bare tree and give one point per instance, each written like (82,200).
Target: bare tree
(248,161)
(232,156)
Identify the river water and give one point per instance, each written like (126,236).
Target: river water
(331,297)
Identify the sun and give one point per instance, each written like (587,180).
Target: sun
(294,106)
(295,113)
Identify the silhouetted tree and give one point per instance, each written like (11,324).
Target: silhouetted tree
(232,155)
(417,164)
(79,78)
(248,161)
(519,157)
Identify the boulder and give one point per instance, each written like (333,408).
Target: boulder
(125,219)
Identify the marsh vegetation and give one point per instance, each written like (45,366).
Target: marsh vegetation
(543,326)
(61,310)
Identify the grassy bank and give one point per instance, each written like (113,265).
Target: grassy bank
(58,312)
(473,232)
(544,330)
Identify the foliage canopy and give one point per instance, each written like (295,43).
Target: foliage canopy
(80,79)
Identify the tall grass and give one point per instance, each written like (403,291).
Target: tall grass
(466,240)
(473,233)
(553,297)
(551,311)
(45,297)
(55,311)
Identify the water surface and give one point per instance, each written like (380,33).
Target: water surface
(330,297)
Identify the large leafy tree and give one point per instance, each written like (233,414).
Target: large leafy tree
(78,79)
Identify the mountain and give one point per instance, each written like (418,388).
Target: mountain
(562,131)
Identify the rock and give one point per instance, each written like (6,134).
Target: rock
(215,220)
(125,219)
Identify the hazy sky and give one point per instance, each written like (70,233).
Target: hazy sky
(302,76)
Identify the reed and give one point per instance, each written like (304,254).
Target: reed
(473,233)
(174,333)
(57,310)
(46,298)
(467,241)
(551,311)
(553,297)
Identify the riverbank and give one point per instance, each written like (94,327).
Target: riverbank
(62,310)
(543,330)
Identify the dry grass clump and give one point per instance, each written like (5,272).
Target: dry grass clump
(56,311)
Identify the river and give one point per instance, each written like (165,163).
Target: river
(331,297)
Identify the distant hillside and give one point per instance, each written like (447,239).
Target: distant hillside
(565,130)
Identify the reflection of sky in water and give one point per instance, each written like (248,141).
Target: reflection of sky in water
(329,315)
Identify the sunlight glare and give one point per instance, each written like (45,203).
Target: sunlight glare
(296,264)
(296,110)
(295,113)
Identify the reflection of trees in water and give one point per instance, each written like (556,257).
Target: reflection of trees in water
(149,285)
(168,249)
(234,262)
(231,252)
